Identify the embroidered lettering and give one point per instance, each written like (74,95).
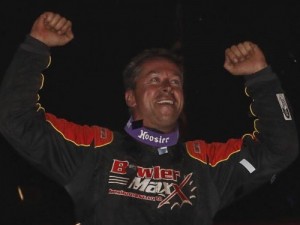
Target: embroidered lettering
(144,135)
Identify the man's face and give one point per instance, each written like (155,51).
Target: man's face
(158,96)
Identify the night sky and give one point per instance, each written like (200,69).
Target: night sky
(84,85)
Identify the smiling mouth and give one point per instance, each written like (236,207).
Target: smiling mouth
(169,102)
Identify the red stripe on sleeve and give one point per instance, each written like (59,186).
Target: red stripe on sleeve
(82,135)
(213,153)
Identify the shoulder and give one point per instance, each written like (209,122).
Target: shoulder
(213,153)
(82,135)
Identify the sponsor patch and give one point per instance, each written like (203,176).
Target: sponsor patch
(166,186)
(284,106)
(247,165)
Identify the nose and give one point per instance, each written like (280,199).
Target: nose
(167,87)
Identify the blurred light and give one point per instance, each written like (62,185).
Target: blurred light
(20,193)
(293,57)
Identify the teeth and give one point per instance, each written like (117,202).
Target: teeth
(166,102)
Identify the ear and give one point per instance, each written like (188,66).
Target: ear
(130,98)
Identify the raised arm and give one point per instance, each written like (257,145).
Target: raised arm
(273,145)
(23,122)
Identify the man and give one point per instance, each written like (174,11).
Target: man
(145,175)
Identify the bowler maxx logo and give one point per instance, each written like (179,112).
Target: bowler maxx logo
(165,186)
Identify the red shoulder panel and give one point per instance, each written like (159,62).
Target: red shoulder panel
(213,153)
(82,135)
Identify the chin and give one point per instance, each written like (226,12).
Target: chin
(168,122)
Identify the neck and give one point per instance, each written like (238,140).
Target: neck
(158,126)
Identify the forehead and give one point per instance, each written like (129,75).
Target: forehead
(160,65)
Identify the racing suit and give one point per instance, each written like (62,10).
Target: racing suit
(114,179)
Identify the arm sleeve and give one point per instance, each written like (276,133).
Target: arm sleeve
(23,120)
(270,149)
(274,124)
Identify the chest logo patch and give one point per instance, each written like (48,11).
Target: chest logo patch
(165,186)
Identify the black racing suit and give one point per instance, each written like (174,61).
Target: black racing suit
(115,180)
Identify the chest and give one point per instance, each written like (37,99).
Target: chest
(135,173)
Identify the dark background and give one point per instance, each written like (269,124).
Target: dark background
(84,85)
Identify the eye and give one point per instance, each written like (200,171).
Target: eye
(154,80)
(176,82)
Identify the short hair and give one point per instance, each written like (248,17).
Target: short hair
(133,68)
